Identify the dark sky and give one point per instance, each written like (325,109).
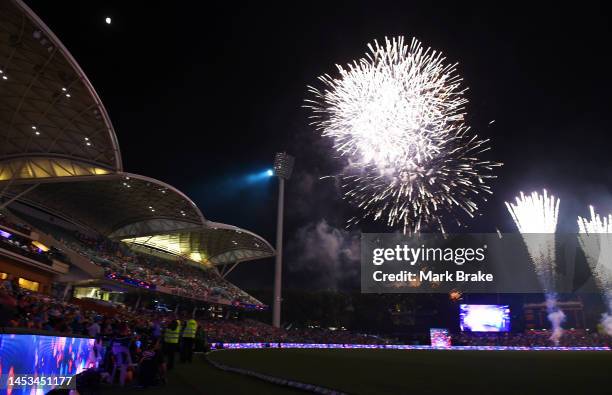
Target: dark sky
(202,97)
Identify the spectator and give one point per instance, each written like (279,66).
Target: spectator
(171,341)
(93,330)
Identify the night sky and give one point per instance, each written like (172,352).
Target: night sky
(202,97)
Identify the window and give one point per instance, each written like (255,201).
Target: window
(27,284)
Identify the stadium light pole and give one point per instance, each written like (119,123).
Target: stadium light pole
(283,167)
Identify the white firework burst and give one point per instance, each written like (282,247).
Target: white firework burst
(595,238)
(397,116)
(595,225)
(596,241)
(536,218)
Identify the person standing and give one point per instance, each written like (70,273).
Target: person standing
(156,329)
(94,329)
(171,341)
(188,340)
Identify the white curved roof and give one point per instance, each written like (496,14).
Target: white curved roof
(214,243)
(48,107)
(123,203)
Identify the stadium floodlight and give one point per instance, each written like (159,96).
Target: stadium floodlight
(283,167)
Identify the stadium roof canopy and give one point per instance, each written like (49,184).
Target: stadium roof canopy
(52,122)
(59,152)
(125,203)
(216,243)
(146,212)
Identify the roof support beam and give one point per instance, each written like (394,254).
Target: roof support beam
(13,178)
(19,195)
(225,271)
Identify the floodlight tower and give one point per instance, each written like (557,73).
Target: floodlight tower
(283,167)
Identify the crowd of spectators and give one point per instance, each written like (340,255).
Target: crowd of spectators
(17,225)
(120,263)
(180,277)
(36,311)
(535,338)
(137,336)
(251,331)
(24,247)
(21,245)
(24,309)
(127,343)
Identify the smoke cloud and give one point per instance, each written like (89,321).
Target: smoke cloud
(606,322)
(325,256)
(606,318)
(556,318)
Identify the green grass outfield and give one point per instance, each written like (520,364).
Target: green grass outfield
(202,378)
(432,371)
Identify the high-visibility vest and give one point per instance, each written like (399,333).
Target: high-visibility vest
(190,328)
(172,336)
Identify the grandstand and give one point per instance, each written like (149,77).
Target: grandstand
(71,215)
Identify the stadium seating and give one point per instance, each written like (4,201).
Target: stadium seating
(122,264)
(22,245)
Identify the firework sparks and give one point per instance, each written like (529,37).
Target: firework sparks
(397,116)
(536,217)
(535,213)
(596,241)
(596,225)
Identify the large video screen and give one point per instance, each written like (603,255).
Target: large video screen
(484,317)
(44,359)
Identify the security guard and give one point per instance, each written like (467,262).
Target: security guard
(188,340)
(171,341)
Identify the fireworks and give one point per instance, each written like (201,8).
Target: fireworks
(596,241)
(397,117)
(536,217)
(535,213)
(596,224)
